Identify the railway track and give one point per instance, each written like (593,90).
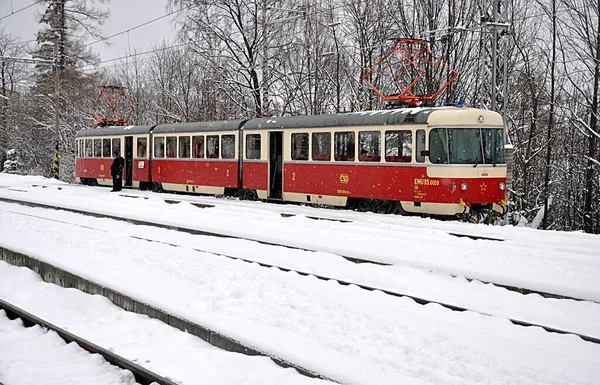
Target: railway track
(417,299)
(174,200)
(142,375)
(313,217)
(189,230)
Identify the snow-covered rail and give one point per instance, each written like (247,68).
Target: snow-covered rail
(419,300)
(191,230)
(346,282)
(352,335)
(66,279)
(141,374)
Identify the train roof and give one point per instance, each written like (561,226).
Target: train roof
(363,118)
(377,118)
(115,131)
(220,125)
(425,115)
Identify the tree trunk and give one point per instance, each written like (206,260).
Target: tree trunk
(551,119)
(589,172)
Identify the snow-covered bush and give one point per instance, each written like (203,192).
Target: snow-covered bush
(12,165)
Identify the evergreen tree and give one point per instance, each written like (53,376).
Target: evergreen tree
(66,24)
(12,165)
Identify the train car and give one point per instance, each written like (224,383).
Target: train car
(441,161)
(197,157)
(95,149)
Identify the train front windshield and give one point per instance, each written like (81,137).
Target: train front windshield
(466,145)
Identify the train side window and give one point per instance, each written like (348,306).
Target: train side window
(398,146)
(198,147)
(321,146)
(227,146)
(370,146)
(171,146)
(184,146)
(212,146)
(438,146)
(116,145)
(106,148)
(159,147)
(420,144)
(97,148)
(253,146)
(89,148)
(344,146)
(142,147)
(300,146)
(80,147)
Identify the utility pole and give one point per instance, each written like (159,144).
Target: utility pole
(337,66)
(263,62)
(492,66)
(56,110)
(493,62)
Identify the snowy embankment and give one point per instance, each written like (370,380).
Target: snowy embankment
(561,263)
(575,316)
(346,333)
(148,342)
(33,356)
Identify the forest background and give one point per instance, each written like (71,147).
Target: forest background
(247,58)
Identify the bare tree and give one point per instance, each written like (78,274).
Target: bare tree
(581,57)
(11,72)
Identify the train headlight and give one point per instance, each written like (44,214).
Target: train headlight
(464,186)
(502,186)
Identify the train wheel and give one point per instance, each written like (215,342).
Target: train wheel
(248,195)
(90,182)
(385,207)
(157,188)
(398,209)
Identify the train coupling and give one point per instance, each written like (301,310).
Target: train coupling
(482,213)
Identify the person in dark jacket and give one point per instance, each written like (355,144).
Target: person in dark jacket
(116,170)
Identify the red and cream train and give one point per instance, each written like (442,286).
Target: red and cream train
(443,161)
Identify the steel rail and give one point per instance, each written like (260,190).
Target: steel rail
(419,300)
(142,375)
(220,235)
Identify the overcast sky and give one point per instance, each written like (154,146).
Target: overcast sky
(124,14)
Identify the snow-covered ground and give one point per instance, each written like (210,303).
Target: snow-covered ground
(174,354)
(548,261)
(346,333)
(33,356)
(575,316)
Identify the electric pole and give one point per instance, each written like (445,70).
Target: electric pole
(56,111)
(493,60)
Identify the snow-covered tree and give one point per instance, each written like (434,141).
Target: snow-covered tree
(65,27)
(12,164)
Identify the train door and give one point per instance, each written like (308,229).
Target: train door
(128,160)
(275,164)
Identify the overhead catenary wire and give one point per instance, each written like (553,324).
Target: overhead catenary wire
(315,12)
(18,10)
(138,26)
(169,47)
